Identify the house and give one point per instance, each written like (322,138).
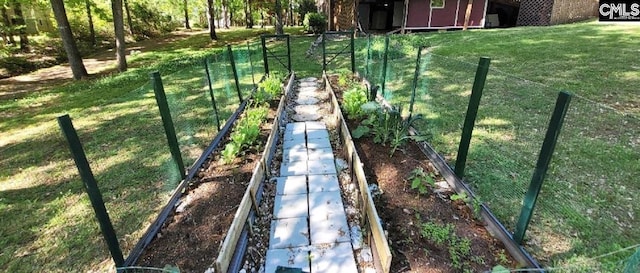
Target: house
(408,15)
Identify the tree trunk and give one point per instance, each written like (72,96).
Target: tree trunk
(261,19)
(279,28)
(186,15)
(75,60)
(24,39)
(118,27)
(129,20)
(212,26)
(7,23)
(225,13)
(290,13)
(92,31)
(247,14)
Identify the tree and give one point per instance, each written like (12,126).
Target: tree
(306,6)
(118,26)
(247,14)
(279,28)
(8,28)
(186,15)
(212,26)
(69,43)
(92,31)
(129,21)
(24,39)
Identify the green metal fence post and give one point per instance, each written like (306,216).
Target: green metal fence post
(472,113)
(384,64)
(353,52)
(235,71)
(546,153)
(415,82)
(264,55)
(253,78)
(289,53)
(91,187)
(213,98)
(324,52)
(366,65)
(167,122)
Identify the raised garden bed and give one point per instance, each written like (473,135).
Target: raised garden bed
(190,232)
(430,227)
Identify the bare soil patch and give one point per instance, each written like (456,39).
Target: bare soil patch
(404,213)
(191,237)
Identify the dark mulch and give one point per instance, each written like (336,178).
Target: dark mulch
(191,239)
(404,212)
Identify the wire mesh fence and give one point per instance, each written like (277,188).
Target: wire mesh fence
(586,215)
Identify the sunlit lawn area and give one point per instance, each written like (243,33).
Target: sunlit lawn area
(588,206)
(47,222)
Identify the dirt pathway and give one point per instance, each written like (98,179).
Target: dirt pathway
(100,63)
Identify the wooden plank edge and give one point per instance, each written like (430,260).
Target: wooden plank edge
(233,235)
(231,239)
(381,244)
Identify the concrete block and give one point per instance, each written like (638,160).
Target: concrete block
(318,143)
(329,228)
(320,154)
(325,182)
(290,232)
(294,168)
(291,185)
(323,203)
(333,258)
(289,257)
(291,155)
(290,206)
(321,167)
(315,125)
(313,134)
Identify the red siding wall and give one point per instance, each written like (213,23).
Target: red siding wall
(418,15)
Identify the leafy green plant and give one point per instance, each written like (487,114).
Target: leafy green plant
(315,22)
(475,202)
(436,233)
(345,78)
(245,133)
(386,125)
(352,100)
(270,88)
(420,180)
(459,248)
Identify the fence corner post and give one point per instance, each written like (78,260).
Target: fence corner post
(235,71)
(542,165)
(472,113)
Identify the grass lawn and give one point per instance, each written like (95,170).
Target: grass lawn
(48,223)
(588,205)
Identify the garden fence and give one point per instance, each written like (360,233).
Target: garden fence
(587,209)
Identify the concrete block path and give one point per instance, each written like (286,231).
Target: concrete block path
(310,229)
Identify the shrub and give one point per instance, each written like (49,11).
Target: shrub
(315,22)
(17,65)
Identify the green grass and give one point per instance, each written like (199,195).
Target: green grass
(48,224)
(588,205)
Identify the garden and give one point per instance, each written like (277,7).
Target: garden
(406,109)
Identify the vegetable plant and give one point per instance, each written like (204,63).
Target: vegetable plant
(270,88)
(421,180)
(245,133)
(385,125)
(352,100)
(445,236)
